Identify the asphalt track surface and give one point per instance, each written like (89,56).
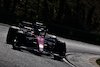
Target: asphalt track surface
(15,58)
(79,54)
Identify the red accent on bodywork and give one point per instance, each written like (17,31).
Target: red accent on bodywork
(40,42)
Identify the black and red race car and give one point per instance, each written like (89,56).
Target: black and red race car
(34,36)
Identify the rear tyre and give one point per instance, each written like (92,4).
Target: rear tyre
(18,40)
(16,44)
(11,34)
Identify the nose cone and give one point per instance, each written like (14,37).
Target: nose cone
(41,46)
(40,42)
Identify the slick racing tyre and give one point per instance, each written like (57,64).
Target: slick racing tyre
(15,43)
(60,49)
(11,34)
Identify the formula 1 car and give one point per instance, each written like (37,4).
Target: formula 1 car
(35,37)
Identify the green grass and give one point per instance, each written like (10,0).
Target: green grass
(98,62)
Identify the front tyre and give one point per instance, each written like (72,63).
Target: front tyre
(60,50)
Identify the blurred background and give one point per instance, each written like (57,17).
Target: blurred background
(74,19)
